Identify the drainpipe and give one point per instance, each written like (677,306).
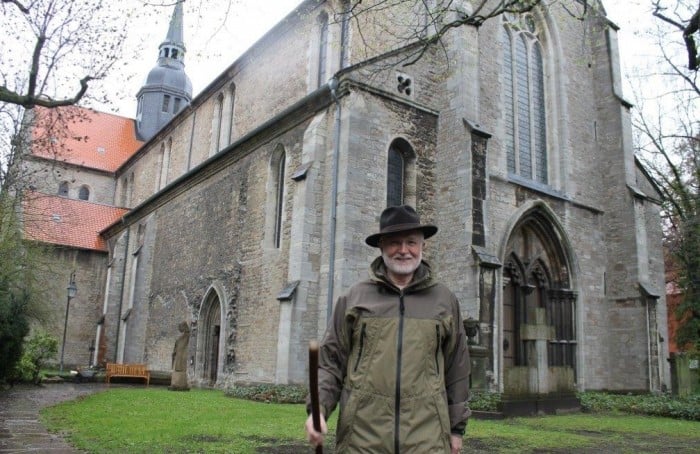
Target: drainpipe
(648,339)
(333,85)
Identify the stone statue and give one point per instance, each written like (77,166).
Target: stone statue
(178,381)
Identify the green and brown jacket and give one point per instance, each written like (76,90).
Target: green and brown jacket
(398,364)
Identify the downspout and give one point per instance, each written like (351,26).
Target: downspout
(648,337)
(333,85)
(121,296)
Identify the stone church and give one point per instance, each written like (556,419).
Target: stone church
(243,210)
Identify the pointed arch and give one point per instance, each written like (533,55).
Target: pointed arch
(210,337)
(539,304)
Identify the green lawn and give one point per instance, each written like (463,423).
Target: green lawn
(155,420)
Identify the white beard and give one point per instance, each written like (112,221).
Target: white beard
(402,267)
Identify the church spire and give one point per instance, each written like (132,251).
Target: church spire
(174,46)
(167,89)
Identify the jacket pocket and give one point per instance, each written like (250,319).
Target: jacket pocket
(361,346)
(438,342)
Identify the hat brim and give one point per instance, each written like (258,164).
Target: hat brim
(428,231)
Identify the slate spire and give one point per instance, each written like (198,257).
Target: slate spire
(167,89)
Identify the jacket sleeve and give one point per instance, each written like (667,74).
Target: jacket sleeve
(457,366)
(333,356)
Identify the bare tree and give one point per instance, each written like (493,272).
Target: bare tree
(53,49)
(684,18)
(667,137)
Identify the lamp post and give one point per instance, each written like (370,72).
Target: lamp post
(72,290)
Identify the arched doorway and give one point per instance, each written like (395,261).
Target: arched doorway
(209,340)
(539,311)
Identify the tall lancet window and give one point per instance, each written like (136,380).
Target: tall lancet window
(217,122)
(322,48)
(277,168)
(400,173)
(524,98)
(232,101)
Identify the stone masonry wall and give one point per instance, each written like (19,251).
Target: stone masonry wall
(85,309)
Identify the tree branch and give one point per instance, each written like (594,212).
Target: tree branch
(29,101)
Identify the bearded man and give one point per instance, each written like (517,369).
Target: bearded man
(394,356)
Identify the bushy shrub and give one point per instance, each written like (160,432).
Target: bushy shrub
(484,401)
(40,347)
(14,326)
(278,394)
(645,404)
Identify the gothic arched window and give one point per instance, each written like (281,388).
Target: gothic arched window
(232,93)
(219,118)
(524,97)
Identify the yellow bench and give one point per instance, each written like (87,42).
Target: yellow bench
(127,370)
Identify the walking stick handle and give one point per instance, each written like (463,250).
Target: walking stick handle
(313,389)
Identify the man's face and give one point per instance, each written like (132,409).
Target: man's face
(402,252)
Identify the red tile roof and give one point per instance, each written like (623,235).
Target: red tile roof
(84,137)
(67,222)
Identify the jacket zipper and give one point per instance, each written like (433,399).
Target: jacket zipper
(437,348)
(362,343)
(397,398)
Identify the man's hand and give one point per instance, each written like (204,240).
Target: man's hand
(316,438)
(456,443)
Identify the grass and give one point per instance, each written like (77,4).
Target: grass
(155,420)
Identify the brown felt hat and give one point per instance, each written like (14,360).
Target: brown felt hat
(399,219)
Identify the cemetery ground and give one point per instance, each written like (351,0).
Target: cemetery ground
(154,420)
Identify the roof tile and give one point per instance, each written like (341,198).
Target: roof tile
(84,137)
(67,222)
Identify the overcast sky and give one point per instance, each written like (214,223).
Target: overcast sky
(213,44)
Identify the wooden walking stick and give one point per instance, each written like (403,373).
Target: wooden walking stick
(313,389)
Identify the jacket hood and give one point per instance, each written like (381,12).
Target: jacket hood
(422,278)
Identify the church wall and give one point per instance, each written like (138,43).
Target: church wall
(205,236)
(84,310)
(46,176)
